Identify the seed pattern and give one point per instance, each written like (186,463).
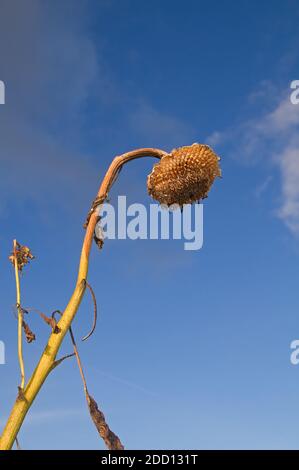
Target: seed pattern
(184,176)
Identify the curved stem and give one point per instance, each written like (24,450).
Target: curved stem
(45,365)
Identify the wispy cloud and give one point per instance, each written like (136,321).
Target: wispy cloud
(127,383)
(262,188)
(49,74)
(41,417)
(272,137)
(53,69)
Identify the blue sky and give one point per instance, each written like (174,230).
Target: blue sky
(192,349)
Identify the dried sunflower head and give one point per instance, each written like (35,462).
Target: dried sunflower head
(184,176)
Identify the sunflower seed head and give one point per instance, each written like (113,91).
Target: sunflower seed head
(184,176)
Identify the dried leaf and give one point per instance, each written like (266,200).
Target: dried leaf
(30,336)
(22,254)
(111,440)
(50,321)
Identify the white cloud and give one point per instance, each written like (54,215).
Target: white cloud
(283,119)
(55,414)
(50,68)
(272,136)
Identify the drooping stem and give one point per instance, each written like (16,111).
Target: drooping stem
(45,364)
(20,316)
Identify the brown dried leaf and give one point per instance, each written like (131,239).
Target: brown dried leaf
(30,336)
(111,440)
(50,321)
(22,254)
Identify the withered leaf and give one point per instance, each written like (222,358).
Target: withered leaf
(22,254)
(111,440)
(30,336)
